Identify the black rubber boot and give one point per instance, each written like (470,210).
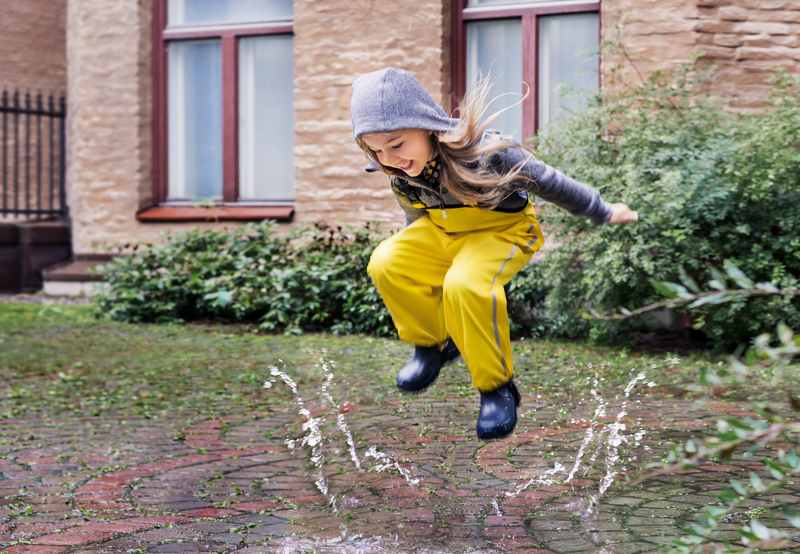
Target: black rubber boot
(498,415)
(423,367)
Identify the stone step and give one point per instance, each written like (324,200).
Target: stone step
(76,277)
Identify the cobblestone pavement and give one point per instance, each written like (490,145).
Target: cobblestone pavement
(81,485)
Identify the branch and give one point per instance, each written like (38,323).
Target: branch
(760,438)
(719,296)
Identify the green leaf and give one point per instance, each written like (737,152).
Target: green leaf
(687,280)
(668,290)
(737,275)
(708,376)
(760,530)
(738,487)
(718,281)
(716,511)
(715,284)
(785,334)
(768,287)
(792,516)
(757,483)
(776,470)
(746,533)
(717,298)
(698,530)
(738,423)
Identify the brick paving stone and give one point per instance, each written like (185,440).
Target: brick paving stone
(34,549)
(250,493)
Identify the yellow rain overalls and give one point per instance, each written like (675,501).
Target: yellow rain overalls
(443,275)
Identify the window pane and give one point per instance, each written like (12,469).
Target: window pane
(266,118)
(195,120)
(494,48)
(479,3)
(181,13)
(569,64)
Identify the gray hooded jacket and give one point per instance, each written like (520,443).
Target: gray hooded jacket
(392,99)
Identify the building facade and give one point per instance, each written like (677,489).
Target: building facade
(198,113)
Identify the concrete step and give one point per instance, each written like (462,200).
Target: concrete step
(76,277)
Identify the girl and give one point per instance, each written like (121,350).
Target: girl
(470,227)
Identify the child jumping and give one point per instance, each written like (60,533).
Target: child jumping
(470,227)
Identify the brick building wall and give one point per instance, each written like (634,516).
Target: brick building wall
(745,41)
(33,54)
(646,35)
(335,41)
(748,40)
(110,82)
(108,170)
(32,45)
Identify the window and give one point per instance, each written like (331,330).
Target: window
(223,113)
(552,45)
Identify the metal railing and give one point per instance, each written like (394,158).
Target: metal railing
(32,155)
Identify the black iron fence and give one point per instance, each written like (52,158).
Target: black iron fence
(32,155)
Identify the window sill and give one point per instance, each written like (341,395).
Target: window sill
(164,214)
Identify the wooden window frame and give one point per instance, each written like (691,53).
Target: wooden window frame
(530,46)
(230,209)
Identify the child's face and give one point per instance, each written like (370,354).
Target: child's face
(407,149)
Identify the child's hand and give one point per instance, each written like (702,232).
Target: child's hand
(621,213)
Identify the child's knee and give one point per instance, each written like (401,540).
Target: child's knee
(460,283)
(379,261)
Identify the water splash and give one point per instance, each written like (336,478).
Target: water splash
(600,437)
(387,462)
(601,402)
(312,438)
(599,412)
(616,438)
(341,424)
(355,544)
(545,479)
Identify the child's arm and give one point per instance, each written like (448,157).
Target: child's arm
(552,185)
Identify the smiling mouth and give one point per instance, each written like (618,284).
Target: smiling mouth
(407,166)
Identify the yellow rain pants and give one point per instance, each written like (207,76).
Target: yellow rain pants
(443,275)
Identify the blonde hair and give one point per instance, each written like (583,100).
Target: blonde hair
(461,153)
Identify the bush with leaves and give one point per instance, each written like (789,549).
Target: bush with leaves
(708,184)
(772,432)
(311,279)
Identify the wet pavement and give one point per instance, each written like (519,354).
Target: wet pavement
(320,476)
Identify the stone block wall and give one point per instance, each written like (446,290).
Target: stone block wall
(747,41)
(744,41)
(33,46)
(645,36)
(335,41)
(110,91)
(33,54)
(108,170)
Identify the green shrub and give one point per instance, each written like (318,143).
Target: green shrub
(766,429)
(311,279)
(709,185)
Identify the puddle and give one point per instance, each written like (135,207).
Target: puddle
(601,438)
(357,545)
